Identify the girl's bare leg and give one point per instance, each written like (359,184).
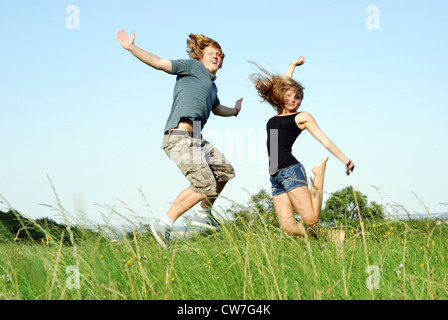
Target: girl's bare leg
(285,215)
(317,186)
(308,203)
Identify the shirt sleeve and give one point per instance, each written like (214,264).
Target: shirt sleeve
(217,103)
(182,67)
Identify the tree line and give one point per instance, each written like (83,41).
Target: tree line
(343,205)
(13,225)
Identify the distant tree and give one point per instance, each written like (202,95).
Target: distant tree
(342,205)
(262,202)
(14,225)
(259,208)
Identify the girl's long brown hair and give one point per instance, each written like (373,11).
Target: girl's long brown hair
(272,88)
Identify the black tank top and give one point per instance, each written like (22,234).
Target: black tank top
(282,133)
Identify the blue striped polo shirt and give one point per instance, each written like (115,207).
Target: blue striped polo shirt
(195,93)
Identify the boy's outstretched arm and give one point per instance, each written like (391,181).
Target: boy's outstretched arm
(127,42)
(293,65)
(224,111)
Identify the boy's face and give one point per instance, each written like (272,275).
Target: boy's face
(212,59)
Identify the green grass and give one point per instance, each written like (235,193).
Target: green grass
(252,262)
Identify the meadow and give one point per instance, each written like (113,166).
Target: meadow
(246,260)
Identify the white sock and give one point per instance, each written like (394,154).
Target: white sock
(167,220)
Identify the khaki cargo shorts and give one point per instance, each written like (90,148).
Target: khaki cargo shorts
(200,162)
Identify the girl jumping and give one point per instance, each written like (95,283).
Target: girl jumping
(287,175)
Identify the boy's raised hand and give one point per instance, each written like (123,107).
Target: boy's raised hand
(238,106)
(125,40)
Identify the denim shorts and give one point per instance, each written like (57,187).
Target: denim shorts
(288,179)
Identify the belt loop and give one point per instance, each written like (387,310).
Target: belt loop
(169,132)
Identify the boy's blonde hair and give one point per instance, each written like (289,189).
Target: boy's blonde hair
(197,43)
(272,88)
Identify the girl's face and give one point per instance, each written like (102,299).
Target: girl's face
(212,59)
(292,100)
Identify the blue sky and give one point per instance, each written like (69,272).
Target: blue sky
(77,108)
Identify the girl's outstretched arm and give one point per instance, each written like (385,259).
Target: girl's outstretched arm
(293,65)
(304,120)
(127,42)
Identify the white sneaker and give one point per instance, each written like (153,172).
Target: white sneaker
(161,232)
(204,218)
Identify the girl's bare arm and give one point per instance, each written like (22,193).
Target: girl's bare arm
(292,66)
(304,120)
